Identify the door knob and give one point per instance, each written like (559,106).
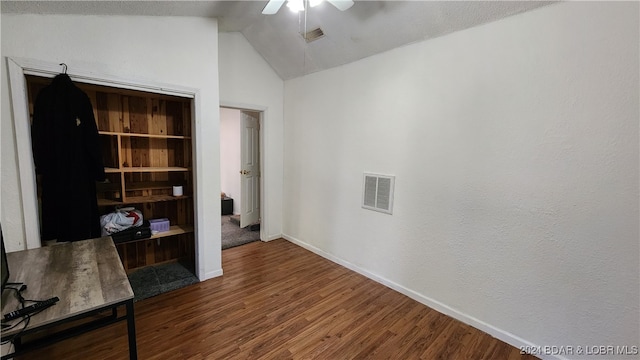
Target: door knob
(245,172)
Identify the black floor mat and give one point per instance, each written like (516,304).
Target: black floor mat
(154,280)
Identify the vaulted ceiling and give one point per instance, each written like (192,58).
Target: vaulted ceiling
(367,28)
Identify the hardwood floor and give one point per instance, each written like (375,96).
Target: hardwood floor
(277,300)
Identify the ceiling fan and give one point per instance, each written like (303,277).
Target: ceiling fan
(299,5)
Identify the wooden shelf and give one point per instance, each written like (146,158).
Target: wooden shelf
(150,185)
(152,198)
(107,186)
(153,169)
(109,170)
(141,200)
(109,202)
(174,230)
(111,133)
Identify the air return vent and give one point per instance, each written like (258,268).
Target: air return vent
(313,35)
(378,192)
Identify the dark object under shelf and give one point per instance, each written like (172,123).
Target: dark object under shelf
(133,233)
(227,206)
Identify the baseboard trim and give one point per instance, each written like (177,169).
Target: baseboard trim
(272,237)
(210,275)
(496,332)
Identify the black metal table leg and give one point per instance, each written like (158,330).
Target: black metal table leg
(131,330)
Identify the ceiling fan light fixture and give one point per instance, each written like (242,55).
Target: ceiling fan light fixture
(295,5)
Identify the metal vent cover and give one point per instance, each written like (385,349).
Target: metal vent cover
(313,35)
(378,192)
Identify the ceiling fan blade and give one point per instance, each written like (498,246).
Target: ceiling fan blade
(342,5)
(272,7)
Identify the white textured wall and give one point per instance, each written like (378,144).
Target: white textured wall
(181,51)
(515,150)
(230,155)
(247,81)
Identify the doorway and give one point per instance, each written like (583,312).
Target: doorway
(240,176)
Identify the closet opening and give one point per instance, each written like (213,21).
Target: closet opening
(146,143)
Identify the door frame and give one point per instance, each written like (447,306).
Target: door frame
(264,171)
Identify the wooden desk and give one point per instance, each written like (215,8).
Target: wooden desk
(89,279)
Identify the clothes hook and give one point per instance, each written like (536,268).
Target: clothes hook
(64,67)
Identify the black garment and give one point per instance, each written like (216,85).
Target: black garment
(67,154)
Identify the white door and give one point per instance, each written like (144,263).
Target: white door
(250,169)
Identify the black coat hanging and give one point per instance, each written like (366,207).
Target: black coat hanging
(68,158)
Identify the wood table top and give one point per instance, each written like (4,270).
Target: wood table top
(86,275)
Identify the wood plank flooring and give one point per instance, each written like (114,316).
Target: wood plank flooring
(277,300)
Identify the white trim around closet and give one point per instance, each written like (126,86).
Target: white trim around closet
(17,69)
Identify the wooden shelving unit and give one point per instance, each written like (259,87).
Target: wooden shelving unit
(147,146)
(147,149)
